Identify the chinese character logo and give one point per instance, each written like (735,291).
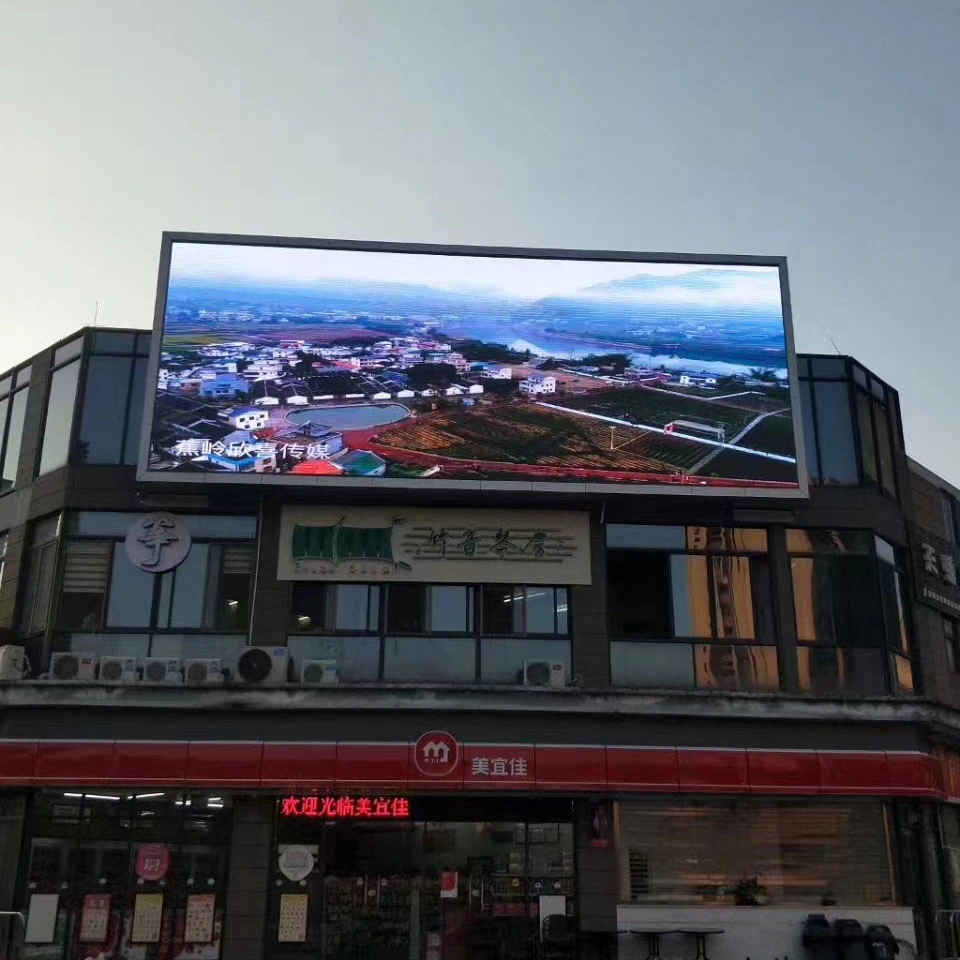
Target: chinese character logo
(158,542)
(436,754)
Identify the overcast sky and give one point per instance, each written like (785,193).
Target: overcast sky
(825,130)
(528,278)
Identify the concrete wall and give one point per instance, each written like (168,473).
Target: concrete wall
(757,933)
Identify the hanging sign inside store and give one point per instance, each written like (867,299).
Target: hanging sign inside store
(346,808)
(296,862)
(153,862)
(157,542)
(434,545)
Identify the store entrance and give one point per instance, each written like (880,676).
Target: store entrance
(443,885)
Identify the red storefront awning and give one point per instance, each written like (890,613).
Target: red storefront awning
(473,767)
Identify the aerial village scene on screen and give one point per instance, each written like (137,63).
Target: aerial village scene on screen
(354,363)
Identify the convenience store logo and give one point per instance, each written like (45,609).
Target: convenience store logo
(436,754)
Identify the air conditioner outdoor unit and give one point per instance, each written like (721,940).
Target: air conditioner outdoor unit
(202,673)
(73,666)
(162,670)
(12,662)
(263,665)
(118,669)
(319,672)
(544,673)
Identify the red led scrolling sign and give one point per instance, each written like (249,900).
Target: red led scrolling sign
(346,808)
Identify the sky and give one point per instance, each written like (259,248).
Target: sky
(527,278)
(824,131)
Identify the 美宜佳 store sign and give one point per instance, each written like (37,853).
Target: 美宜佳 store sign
(434,546)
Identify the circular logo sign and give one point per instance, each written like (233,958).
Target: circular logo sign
(296,862)
(153,862)
(436,754)
(157,542)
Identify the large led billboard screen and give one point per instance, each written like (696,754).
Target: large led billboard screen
(341,363)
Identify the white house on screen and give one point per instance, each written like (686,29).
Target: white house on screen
(495,371)
(249,418)
(538,383)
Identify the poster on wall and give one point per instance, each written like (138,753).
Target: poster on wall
(147,918)
(376,364)
(198,926)
(95,918)
(293,918)
(448,885)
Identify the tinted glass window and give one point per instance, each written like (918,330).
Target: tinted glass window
(109,342)
(407,608)
(838,459)
(867,452)
(450,609)
(22,377)
(68,351)
(135,413)
(59,420)
(131,594)
(639,594)
(502,611)
(11,457)
(884,449)
(104,409)
(809,437)
(829,367)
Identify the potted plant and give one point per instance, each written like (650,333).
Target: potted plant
(750,892)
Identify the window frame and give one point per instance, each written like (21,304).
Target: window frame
(91,350)
(381,632)
(771,642)
(12,391)
(887,651)
(862,385)
(81,360)
(152,629)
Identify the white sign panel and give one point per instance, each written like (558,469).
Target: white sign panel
(42,918)
(434,546)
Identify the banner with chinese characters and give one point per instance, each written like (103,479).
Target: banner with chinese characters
(346,808)
(936,566)
(434,546)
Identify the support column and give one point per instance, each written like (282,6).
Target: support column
(597,879)
(13,810)
(251,847)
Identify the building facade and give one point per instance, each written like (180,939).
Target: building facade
(257,722)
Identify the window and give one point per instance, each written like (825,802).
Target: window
(438,632)
(41,570)
(93,839)
(112,400)
(58,420)
(701,601)
(951,638)
(851,424)
(951,517)
(850,611)
(13,410)
(748,852)
(4,543)
(108,603)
